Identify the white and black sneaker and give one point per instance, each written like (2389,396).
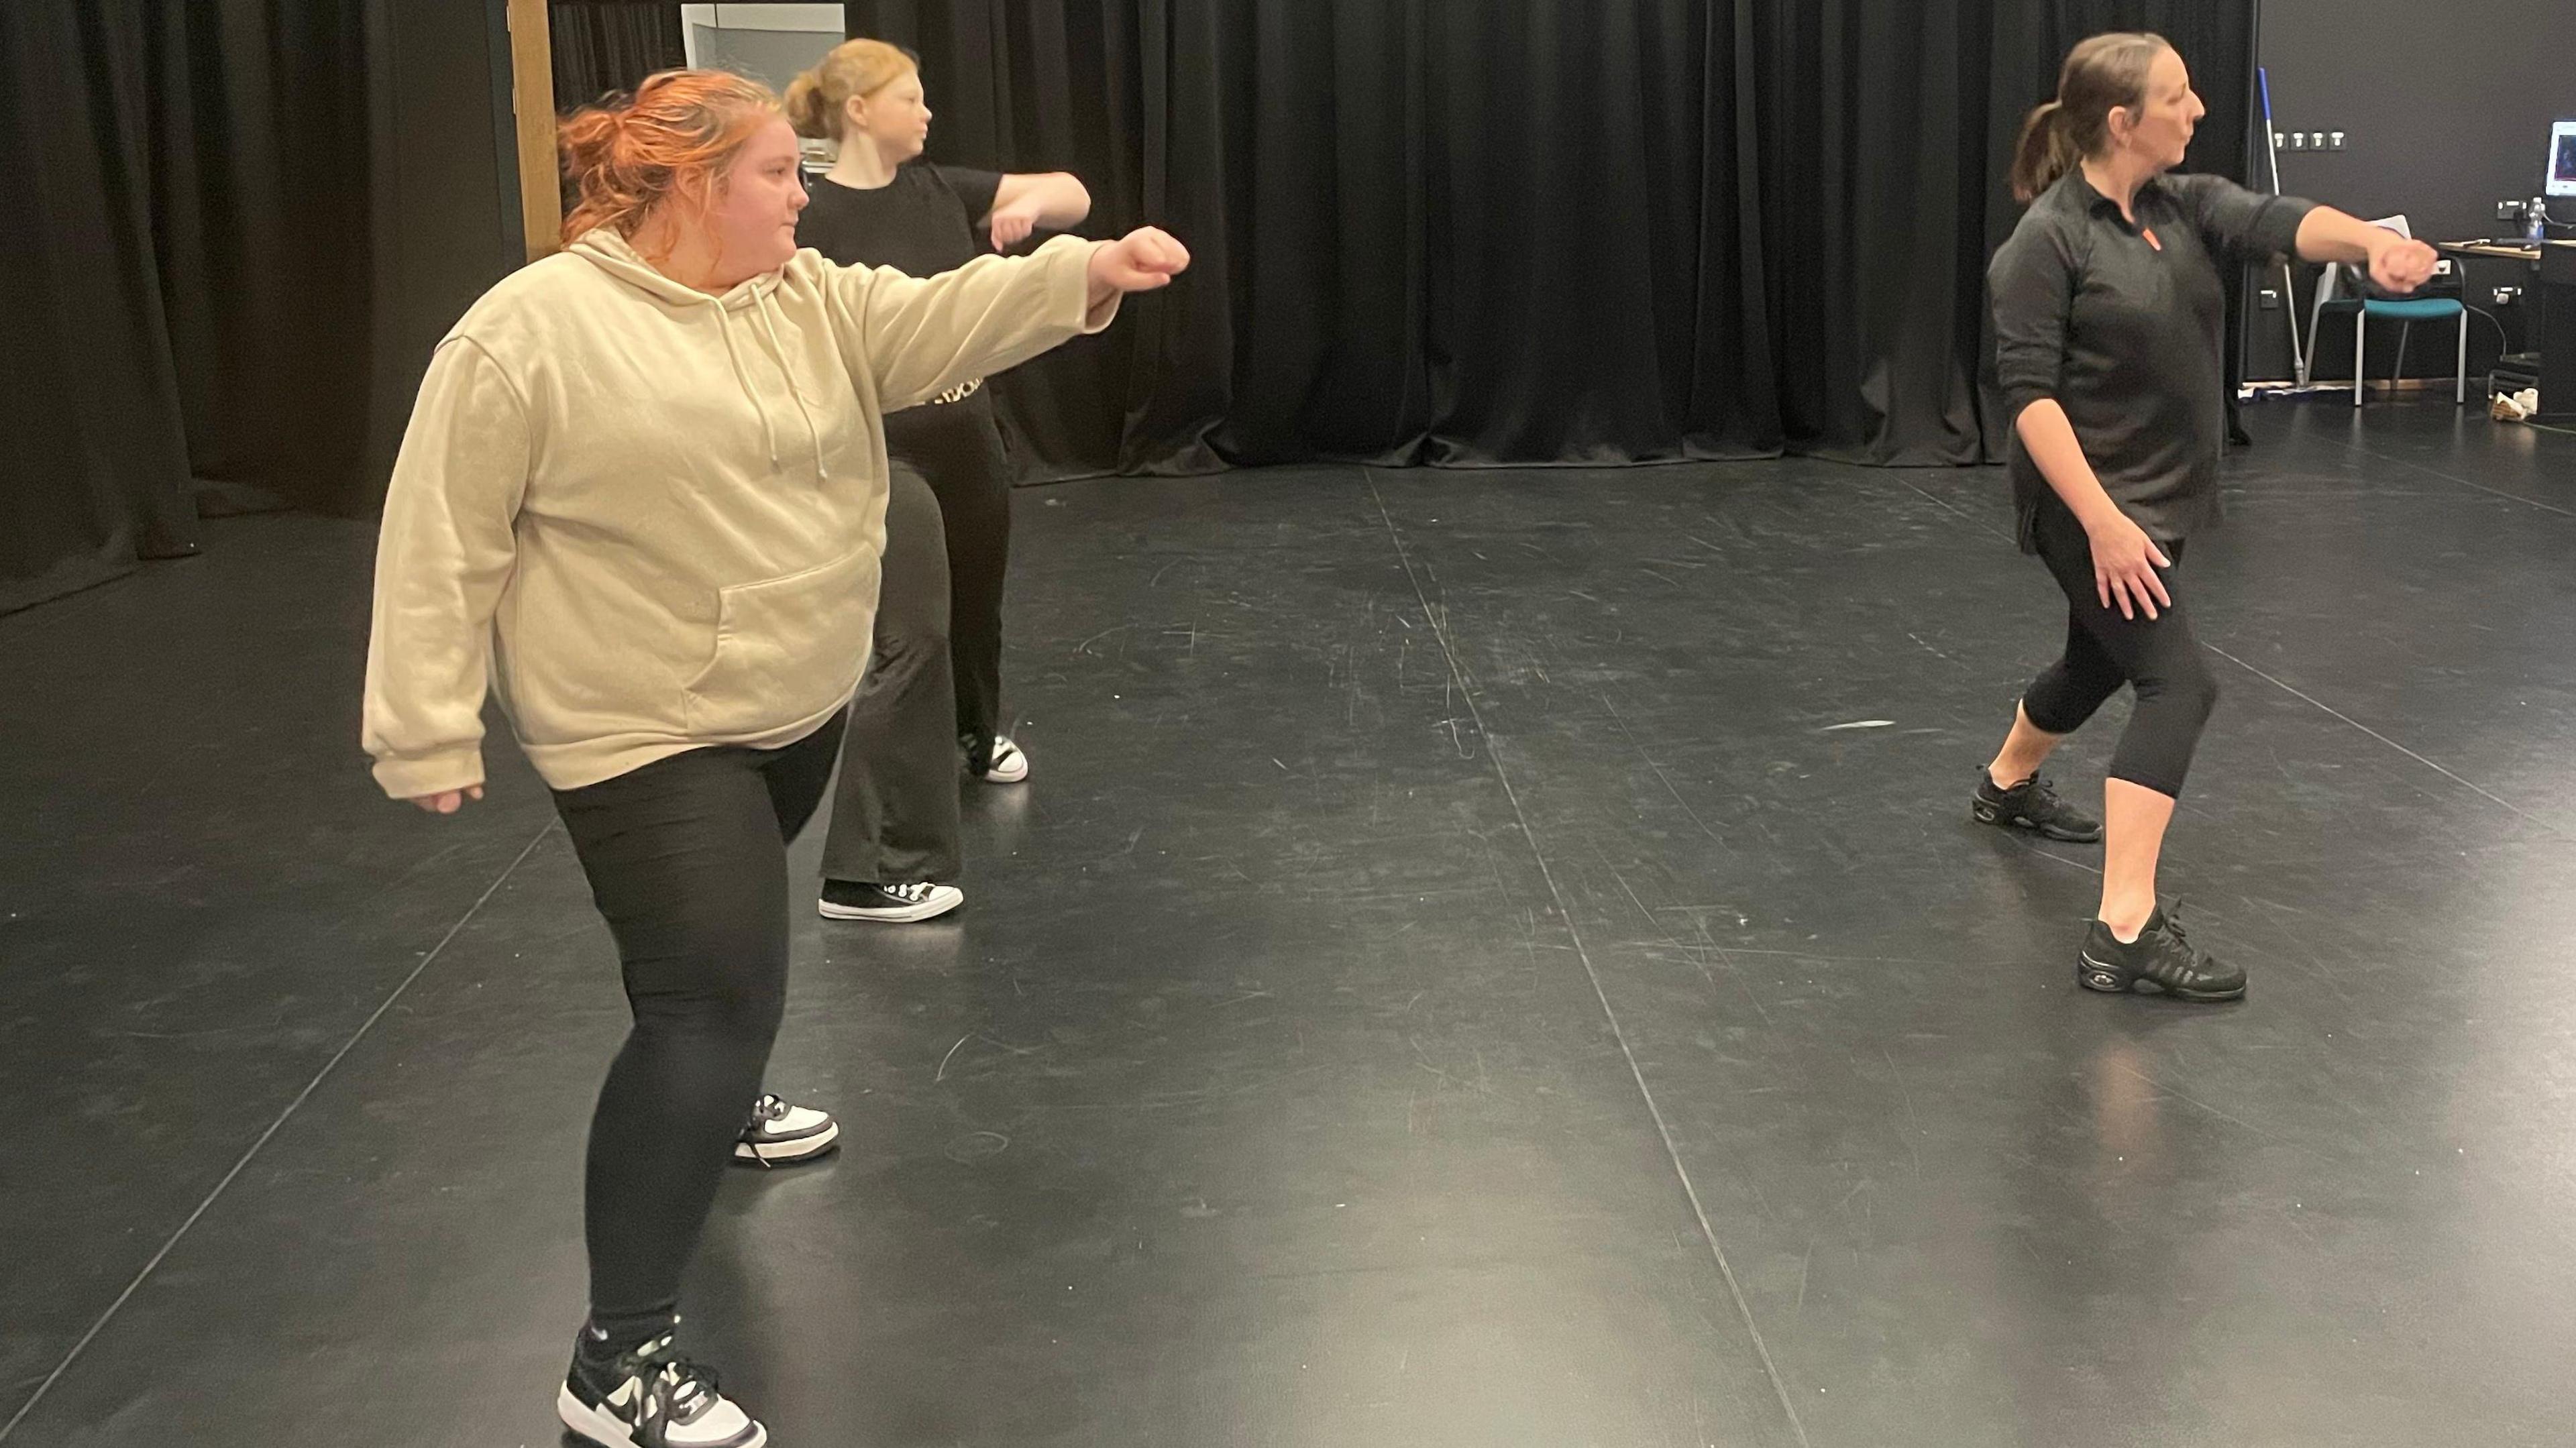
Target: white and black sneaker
(887,904)
(1007,764)
(651,1398)
(779,1134)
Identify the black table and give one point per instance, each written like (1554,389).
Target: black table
(2554,328)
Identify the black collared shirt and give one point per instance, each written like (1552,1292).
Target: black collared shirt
(2123,326)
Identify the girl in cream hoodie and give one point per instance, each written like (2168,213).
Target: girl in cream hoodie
(643,497)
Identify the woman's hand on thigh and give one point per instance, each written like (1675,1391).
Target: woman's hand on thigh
(2125,561)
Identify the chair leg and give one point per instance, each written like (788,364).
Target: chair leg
(2360,342)
(2397,369)
(2460,382)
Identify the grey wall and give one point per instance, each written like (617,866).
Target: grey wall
(2447,110)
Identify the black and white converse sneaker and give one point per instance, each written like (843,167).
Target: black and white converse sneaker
(779,1134)
(2032,805)
(1008,765)
(651,1398)
(887,904)
(2159,960)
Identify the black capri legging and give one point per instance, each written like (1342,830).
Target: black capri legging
(2160,657)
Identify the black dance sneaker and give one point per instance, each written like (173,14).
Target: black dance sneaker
(2159,960)
(2032,805)
(887,904)
(779,1134)
(651,1398)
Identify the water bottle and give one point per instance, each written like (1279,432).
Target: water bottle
(2535,217)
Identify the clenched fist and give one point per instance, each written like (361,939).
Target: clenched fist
(2401,264)
(1140,261)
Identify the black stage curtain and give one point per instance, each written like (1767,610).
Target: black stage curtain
(258,145)
(605,46)
(1524,232)
(193,270)
(245,222)
(93,459)
(1516,232)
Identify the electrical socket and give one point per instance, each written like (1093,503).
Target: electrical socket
(2269,299)
(2507,296)
(2334,140)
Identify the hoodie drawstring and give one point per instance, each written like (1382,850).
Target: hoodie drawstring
(605,248)
(760,300)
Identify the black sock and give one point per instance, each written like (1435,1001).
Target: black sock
(609,1335)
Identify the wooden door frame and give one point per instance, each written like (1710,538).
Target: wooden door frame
(532,101)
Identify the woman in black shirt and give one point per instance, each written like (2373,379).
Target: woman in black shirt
(2108,305)
(935,679)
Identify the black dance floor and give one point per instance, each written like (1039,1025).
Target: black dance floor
(1484,959)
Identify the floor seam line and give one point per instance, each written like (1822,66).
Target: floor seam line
(2460,780)
(171,1244)
(2292,690)
(2355,447)
(1663,1129)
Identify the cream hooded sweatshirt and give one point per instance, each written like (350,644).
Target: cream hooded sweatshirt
(650,517)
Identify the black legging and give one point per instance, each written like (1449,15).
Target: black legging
(958,448)
(894,813)
(2159,656)
(687,859)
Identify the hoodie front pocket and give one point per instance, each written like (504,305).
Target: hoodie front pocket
(786,649)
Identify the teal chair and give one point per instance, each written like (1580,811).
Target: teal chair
(2408,311)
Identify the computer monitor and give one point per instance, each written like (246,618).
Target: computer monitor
(2562,159)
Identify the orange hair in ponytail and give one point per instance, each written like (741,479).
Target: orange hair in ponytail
(674,135)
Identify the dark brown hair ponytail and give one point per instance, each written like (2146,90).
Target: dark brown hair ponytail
(2100,76)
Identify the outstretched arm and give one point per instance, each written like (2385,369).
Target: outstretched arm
(2397,263)
(2252,227)
(920,337)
